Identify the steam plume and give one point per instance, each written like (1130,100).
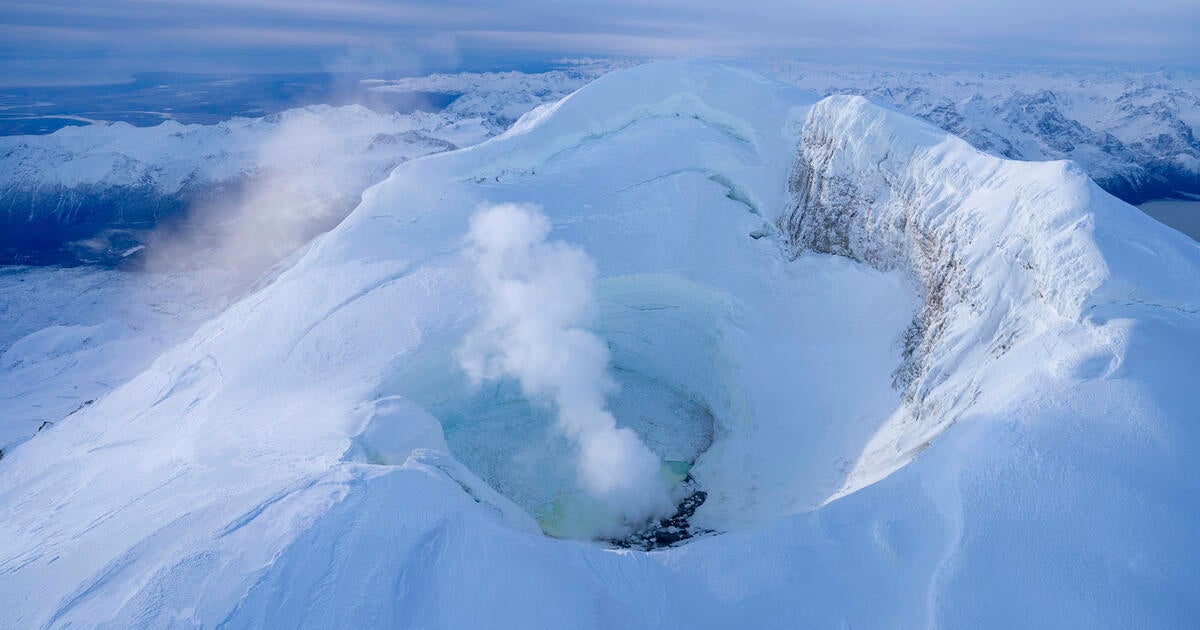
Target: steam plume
(538,291)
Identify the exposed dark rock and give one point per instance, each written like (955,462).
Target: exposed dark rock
(670,531)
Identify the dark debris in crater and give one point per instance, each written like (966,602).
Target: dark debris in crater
(672,530)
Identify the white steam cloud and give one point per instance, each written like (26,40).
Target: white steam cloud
(538,292)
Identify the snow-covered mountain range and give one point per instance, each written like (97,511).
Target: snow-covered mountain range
(1134,133)
(916,385)
(500,98)
(114,176)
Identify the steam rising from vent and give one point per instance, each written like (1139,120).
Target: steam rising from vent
(537,293)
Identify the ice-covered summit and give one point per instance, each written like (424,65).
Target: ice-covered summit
(919,384)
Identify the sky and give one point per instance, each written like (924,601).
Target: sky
(97,40)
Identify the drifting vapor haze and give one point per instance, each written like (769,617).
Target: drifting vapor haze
(299,190)
(537,293)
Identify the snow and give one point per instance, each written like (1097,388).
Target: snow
(242,193)
(72,335)
(993,280)
(92,193)
(943,388)
(1127,129)
(1134,132)
(501,98)
(169,154)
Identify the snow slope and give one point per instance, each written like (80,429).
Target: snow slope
(941,388)
(71,335)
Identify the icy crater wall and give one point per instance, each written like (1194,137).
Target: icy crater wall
(998,249)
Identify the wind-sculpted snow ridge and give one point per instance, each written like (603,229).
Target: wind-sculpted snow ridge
(317,457)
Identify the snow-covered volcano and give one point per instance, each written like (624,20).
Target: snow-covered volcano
(920,386)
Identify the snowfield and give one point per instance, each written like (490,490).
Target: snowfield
(71,335)
(921,386)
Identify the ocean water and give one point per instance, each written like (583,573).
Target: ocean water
(1181,214)
(151,98)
